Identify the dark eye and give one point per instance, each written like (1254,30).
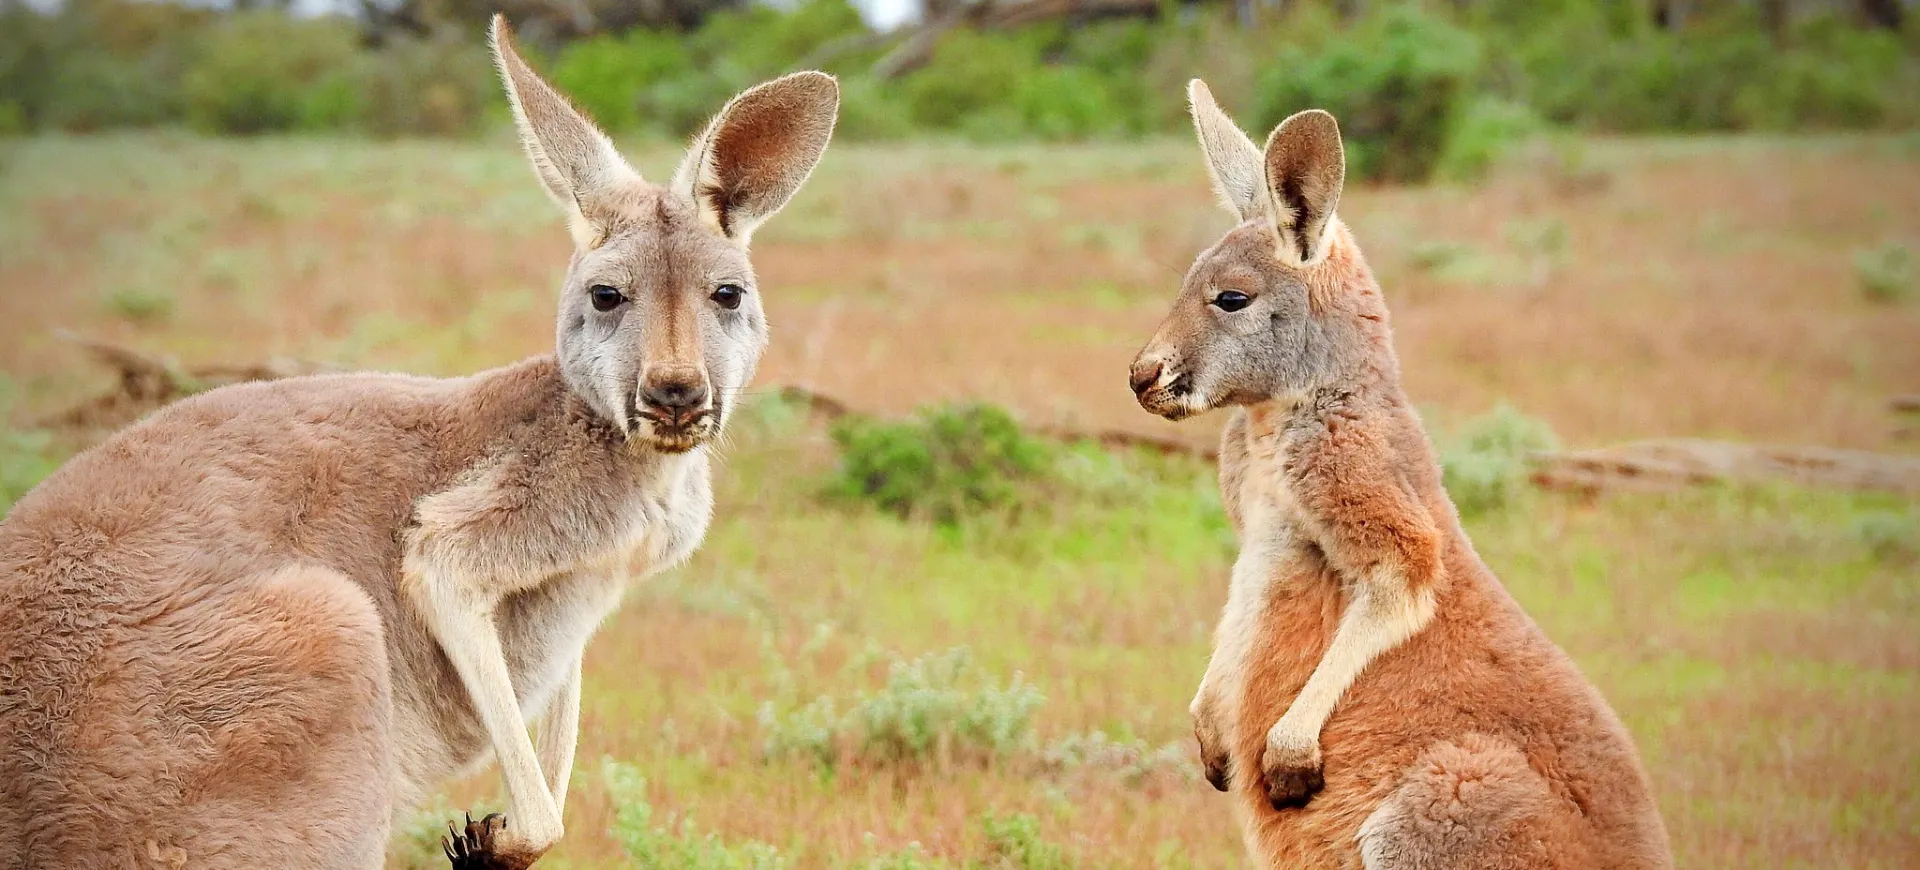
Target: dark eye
(728,296)
(605,298)
(1232,300)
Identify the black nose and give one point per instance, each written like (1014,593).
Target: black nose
(679,397)
(1141,377)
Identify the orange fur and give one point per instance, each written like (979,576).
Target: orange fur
(1376,699)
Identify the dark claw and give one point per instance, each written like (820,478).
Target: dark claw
(472,849)
(1219,776)
(1289,789)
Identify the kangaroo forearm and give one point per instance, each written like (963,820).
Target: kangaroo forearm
(1386,610)
(560,736)
(465,630)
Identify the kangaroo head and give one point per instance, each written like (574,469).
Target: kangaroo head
(1283,304)
(660,324)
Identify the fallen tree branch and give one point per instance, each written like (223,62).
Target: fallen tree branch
(1670,463)
(830,408)
(148,381)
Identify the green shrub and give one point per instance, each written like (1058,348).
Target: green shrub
(26,458)
(1724,74)
(434,86)
(1485,132)
(416,839)
(944,464)
(255,71)
(664,845)
(993,86)
(139,303)
(1885,274)
(941,708)
(1889,536)
(1485,463)
(1131,761)
(914,857)
(1396,83)
(1014,843)
(626,82)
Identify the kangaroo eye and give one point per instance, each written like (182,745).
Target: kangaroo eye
(1232,300)
(605,298)
(728,296)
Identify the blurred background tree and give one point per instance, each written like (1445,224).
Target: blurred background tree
(1422,87)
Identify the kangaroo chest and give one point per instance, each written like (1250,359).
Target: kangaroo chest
(544,629)
(554,570)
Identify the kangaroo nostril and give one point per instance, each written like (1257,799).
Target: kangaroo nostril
(675,396)
(1140,378)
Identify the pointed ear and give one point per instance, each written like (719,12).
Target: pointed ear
(1306,168)
(1232,158)
(575,161)
(756,153)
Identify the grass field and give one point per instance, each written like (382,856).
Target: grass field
(1762,643)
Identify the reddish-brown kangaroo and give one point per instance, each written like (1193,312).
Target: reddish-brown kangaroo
(250,629)
(1375,698)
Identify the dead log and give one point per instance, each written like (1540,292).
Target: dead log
(1905,404)
(147,381)
(1677,462)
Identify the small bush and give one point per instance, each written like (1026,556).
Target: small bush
(626,82)
(1889,536)
(911,858)
(944,464)
(1397,83)
(1014,843)
(1485,463)
(139,304)
(416,840)
(941,708)
(1131,761)
(255,71)
(665,845)
(26,458)
(1485,132)
(1885,274)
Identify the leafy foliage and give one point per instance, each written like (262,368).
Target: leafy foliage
(944,464)
(666,844)
(1418,88)
(1886,274)
(1396,84)
(941,708)
(1485,462)
(26,455)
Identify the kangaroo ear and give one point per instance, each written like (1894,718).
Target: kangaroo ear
(575,161)
(1232,159)
(1306,168)
(757,152)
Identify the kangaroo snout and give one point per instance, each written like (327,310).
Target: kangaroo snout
(1159,387)
(676,396)
(1143,375)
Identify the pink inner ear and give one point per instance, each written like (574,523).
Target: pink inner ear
(765,146)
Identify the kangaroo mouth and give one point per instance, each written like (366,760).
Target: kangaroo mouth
(669,435)
(1173,400)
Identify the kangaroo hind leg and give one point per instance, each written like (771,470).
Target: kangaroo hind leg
(295,710)
(1471,804)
